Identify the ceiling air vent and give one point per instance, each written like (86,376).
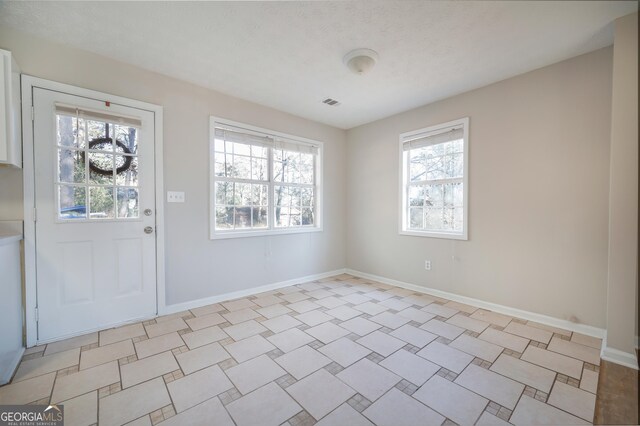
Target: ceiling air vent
(331,102)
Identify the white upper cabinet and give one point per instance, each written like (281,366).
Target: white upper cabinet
(10,122)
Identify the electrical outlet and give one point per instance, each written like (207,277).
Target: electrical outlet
(427,265)
(175,197)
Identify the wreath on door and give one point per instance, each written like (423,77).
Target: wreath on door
(104,144)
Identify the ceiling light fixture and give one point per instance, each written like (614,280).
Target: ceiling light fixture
(360,61)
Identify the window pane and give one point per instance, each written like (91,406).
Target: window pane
(126,170)
(458,194)
(306,169)
(259,151)
(456,146)
(278,171)
(101,203)
(224,217)
(259,169)
(294,196)
(416,195)
(307,216)
(453,195)
(448,219)
(224,193)
(71,166)
(282,216)
(260,195)
(416,218)
(436,150)
(291,167)
(98,129)
(72,202)
(69,135)
(241,167)
(306,197)
(458,219)
(241,149)
(218,145)
(127,203)
(294,217)
(435,168)
(454,165)
(288,216)
(433,218)
(260,216)
(101,168)
(417,165)
(434,195)
(242,216)
(281,196)
(128,138)
(243,195)
(448,194)
(220,165)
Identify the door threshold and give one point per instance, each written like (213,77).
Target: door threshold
(93,330)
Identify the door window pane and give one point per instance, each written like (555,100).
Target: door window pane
(101,168)
(71,167)
(127,203)
(126,170)
(70,133)
(128,138)
(72,202)
(101,202)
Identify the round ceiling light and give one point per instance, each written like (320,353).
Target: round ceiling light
(360,61)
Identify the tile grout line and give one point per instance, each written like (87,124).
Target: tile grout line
(374,301)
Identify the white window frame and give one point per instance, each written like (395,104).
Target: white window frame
(403,228)
(272,229)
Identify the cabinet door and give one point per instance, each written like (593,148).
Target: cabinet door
(10,122)
(5,103)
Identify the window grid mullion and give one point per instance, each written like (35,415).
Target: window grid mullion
(270,199)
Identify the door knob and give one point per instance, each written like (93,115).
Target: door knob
(148,229)
(148,212)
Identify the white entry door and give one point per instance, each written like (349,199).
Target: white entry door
(95,214)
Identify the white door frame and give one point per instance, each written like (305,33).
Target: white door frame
(28,84)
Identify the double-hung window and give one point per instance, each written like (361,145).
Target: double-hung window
(263,182)
(434,181)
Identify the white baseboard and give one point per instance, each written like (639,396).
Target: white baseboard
(170,309)
(501,309)
(617,356)
(179,307)
(6,373)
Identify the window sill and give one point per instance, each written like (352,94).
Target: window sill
(222,235)
(441,235)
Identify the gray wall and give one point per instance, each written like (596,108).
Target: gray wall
(623,220)
(538,194)
(197,267)
(539,187)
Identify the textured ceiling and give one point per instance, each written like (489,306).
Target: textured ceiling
(288,55)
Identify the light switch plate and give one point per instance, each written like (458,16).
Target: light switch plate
(175,197)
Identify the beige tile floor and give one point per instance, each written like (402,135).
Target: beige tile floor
(338,351)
